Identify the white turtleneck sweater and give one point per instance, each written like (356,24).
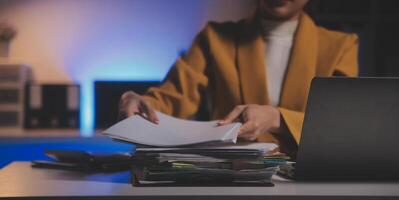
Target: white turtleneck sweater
(279,38)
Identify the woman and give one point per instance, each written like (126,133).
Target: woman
(257,70)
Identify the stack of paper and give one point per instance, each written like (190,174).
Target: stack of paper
(195,153)
(202,166)
(172,132)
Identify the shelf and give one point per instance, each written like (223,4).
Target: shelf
(24,133)
(11,107)
(11,85)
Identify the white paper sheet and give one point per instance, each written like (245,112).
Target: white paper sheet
(172,131)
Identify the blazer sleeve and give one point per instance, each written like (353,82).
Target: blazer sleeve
(347,65)
(180,93)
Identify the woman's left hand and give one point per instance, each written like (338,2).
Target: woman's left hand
(256,119)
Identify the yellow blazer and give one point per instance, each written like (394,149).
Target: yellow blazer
(227,61)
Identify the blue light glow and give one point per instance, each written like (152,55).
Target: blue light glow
(87,111)
(125,44)
(123,72)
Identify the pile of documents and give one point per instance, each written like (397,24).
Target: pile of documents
(186,152)
(239,164)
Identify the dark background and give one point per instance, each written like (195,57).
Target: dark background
(376,23)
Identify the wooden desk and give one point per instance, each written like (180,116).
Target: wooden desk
(19,180)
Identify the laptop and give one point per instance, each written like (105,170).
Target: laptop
(351,130)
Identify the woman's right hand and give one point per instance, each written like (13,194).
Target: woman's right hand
(132,103)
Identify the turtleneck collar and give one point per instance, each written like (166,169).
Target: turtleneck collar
(279,28)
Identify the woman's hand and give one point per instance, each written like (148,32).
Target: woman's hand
(256,119)
(132,103)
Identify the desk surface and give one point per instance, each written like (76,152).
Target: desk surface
(20,180)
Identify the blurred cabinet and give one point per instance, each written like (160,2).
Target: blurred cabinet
(52,106)
(13,78)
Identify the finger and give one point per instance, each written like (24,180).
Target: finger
(126,110)
(250,136)
(234,114)
(132,110)
(128,106)
(247,128)
(150,113)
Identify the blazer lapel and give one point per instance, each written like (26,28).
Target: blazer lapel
(251,65)
(302,66)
